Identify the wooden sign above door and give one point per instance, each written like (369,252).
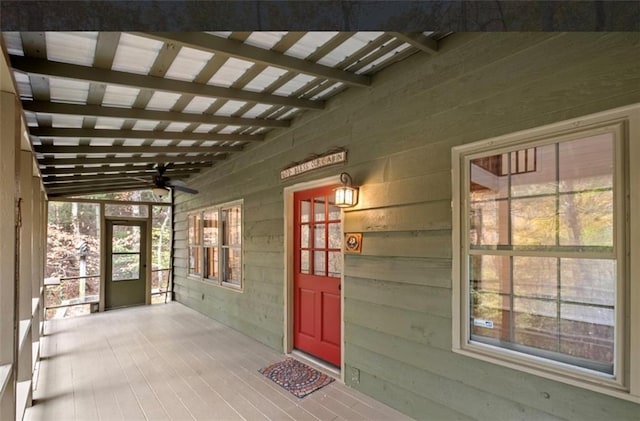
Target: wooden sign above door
(331,158)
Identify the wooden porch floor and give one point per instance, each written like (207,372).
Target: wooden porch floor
(168,362)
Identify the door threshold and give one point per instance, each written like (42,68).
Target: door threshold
(317,363)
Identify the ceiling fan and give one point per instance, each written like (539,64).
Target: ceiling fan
(162,184)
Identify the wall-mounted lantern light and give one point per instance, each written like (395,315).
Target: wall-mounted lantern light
(346,195)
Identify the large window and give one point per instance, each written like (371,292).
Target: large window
(215,244)
(541,281)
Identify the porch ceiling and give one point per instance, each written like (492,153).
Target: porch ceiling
(113,105)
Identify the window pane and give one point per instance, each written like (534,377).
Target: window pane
(232,226)
(125,267)
(319,263)
(489,178)
(335,263)
(590,281)
(232,265)
(194,229)
(319,208)
(532,206)
(305,211)
(304,261)
(586,219)
(319,238)
(588,332)
(536,179)
(125,239)
(587,164)
(490,274)
(490,315)
(304,236)
(535,276)
(210,262)
(489,223)
(194,261)
(533,221)
(210,227)
(536,323)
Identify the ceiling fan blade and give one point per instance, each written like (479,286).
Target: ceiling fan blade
(183,188)
(139,179)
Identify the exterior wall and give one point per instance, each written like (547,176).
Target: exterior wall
(20,284)
(397,293)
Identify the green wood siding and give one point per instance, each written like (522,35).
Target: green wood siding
(399,134)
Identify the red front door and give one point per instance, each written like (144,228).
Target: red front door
(317,268)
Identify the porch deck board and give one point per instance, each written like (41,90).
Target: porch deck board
(168,362)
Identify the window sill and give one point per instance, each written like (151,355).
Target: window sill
(216,283)
(606,387)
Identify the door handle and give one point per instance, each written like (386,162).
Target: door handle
(339,287)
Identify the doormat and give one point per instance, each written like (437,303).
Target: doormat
(296,377)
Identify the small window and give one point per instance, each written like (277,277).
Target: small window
(540,282)
(215,245)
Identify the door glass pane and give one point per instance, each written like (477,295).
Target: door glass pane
(319,208)
(125,266)
(135,211)
(335,236)
(304,261)
(304,236)
(335,263)
(125,239)
(319,236)
(334,211)
(319,263)
(305,211)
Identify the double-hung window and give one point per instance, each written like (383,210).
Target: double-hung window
(542,280)
(215,244)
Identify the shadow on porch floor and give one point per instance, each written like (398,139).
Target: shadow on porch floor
(168,362)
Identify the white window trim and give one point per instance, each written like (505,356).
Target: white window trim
(627,360)
(218,281)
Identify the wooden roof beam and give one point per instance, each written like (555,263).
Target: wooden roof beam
(140,134)
(217,45)
(75,179)
(43,67)
(51,162)
(418,40)
(52,149)
(138,114)
(120,169)
(96,190)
